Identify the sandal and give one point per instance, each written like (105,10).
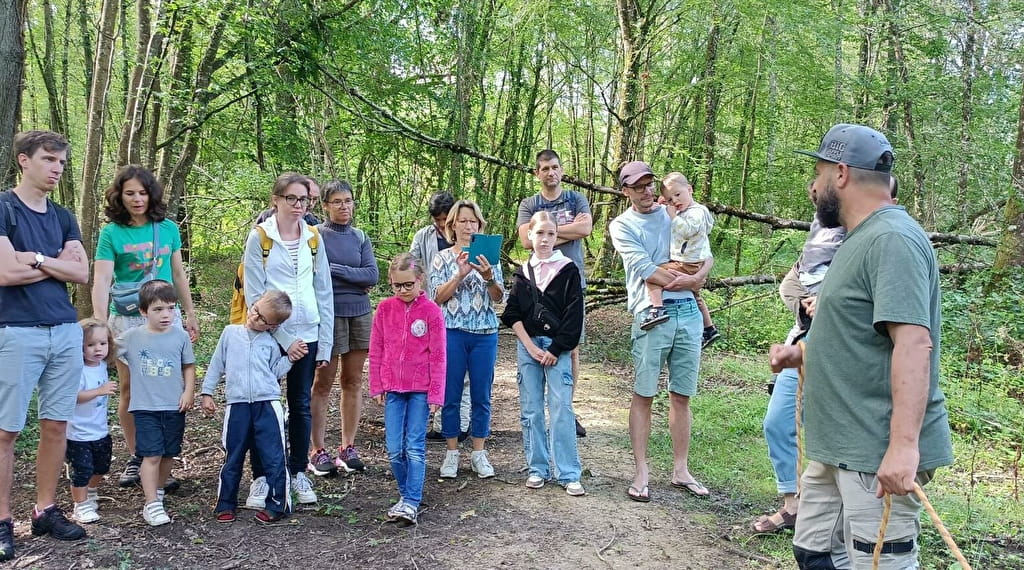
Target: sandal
(642,495)
(765,524)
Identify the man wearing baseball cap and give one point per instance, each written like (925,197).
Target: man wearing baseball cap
(874,416)
(641,236)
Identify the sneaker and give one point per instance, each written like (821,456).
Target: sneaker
(655,317)
(268,517)
(53,522)
(479,462)
(407,514)
(450,466)
(226,517)
(130,475)
(303,489)
(348,459)
(435,436)
(171,485)
(6,539)
(154,514)
(322,464)
(575,489)
(534,482)
(711,334)
(396,511)
(580,430)
(85,512)
(258,491)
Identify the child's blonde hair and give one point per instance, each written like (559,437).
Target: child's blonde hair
(674,179)
(277,303)
(90,324)
(406,262)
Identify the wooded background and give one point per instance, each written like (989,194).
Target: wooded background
(408,98)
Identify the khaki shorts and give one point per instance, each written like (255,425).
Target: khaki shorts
(352,333)
(840,515)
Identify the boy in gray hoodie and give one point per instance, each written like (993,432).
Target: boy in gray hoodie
(251,362)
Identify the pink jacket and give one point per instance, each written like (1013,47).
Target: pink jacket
(407,348)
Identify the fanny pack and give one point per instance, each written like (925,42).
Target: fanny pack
(541,315)
(125,295)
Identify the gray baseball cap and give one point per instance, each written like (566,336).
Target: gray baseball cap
(634,171)
(855,145)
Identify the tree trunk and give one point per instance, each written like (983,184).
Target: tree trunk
(968,57)
(148,43)
(713,93)
(1011,244)
(12,72)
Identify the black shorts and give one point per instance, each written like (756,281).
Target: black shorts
(88,458)
(158,434)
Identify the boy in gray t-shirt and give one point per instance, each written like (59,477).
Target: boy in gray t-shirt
(163,374)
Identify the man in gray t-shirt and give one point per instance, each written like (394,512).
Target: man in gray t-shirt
(571,212)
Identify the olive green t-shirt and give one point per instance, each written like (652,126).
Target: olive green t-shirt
(885,272)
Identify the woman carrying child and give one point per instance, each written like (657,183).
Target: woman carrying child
(407,376)
(545,310)
(89,445)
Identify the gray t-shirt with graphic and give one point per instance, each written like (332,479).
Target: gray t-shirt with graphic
(564,210)
(155,360)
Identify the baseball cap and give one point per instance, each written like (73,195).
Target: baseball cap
(855,145)
(634,171)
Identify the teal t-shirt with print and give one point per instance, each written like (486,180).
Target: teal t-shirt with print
(131,249)
(885,272)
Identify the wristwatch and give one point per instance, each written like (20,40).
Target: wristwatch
(39,260)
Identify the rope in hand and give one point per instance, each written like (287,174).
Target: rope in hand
(943,531)
(887,508)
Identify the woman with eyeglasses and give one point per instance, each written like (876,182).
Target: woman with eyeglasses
(466,290)
(296,263)
(353,272)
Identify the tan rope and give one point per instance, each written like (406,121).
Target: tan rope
(943,531)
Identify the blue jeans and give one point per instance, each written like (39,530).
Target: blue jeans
(477,354)
(780,430)
(405,431)
(299,386)
(537,440)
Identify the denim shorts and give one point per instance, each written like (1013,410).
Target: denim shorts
(158,433)
(675,343)
(49,358)
(88,458)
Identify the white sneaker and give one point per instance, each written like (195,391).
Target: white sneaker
(575,489)
(85,512)
(450,466)
(534,482)
(258,491)
(396,511)
(154,514)
(479,462)
(303,489)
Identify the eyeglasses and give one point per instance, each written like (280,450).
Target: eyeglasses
(406,286)
(262,319)
(292,200)
(641,187)
(338,203)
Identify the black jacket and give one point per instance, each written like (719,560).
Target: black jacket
(563,297)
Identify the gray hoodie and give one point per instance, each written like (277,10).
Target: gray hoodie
(251,362)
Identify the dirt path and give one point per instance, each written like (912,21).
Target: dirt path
(466,523)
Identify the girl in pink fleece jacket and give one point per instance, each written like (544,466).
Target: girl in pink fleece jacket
(407,374)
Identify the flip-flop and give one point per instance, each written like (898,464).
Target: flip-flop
(639,495)
(693,487)
(765,524)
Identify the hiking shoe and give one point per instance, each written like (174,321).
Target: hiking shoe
(268,517)
(130,475)
(407,514)
(6,539)
(348,459)
(534,482)
(322,464)
(711,334)
(479,462)
(258,491)
(655,317)
(53,522)
(171,485)
(396,510)
(450,465)
(154,514)
(85,512)
(435,436)
(580,430)
(303,489)
(225,517)
(575,489)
